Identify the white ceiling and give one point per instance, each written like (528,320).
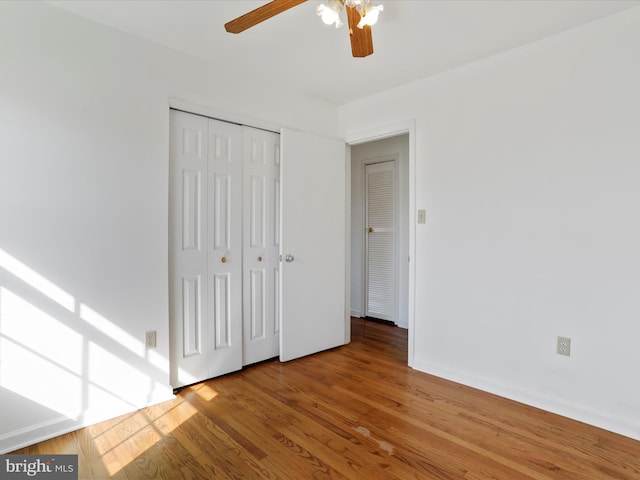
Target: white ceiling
(296,51)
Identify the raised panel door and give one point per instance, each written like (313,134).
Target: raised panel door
(261,244)
(188,276)
(225,247)
(205,248)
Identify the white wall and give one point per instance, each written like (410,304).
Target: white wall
(393,148)
(528,166)
(84,122)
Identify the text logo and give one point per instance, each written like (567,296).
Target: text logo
(49,467)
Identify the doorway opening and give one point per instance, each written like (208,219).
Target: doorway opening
(380,230)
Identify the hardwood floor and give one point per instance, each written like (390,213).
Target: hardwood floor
(355,412)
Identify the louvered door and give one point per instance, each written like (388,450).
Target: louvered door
(380,239)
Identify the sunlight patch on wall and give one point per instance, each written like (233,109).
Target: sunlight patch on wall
(72,365)
(111,380)
(75,364)
(37,281)
(157,360)
(111,330)
(39,356)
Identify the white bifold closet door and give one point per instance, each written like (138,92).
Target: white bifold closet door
(232,300)
(205,248)
(224,246)
(380,238)
(261,245)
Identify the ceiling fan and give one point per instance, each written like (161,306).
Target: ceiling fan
(361,14)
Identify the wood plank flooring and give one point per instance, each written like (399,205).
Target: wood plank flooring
(355,412)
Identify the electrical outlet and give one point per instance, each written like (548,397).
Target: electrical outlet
(564,346)
(150,339)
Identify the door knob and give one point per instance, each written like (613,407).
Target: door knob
(259,259)
(223,259)
(370,229)
(288,258)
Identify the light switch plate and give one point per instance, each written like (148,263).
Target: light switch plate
(422,216)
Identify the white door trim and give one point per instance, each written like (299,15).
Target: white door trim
(379,133)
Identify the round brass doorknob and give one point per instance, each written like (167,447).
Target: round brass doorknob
(370,229)
(223,259)
(259,259)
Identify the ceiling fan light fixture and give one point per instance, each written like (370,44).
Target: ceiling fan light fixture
(370,15)
(330,13)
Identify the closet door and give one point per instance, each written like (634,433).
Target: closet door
(205,261)
(261,177)
(313,205)
(225,247)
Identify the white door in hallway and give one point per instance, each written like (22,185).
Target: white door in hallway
(205,248)
(313,267)
(380,240)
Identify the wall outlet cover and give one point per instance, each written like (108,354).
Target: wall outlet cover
(564,346)
(150,339)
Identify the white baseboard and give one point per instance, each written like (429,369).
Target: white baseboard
(623,426)
(55,427)
(35,433)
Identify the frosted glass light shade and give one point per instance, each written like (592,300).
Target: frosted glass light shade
(330,13)
(371,16)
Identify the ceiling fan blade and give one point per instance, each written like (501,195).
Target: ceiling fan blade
(361,39)
(260,14)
